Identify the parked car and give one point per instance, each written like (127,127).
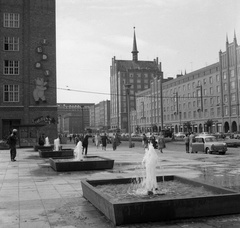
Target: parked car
(179,135)
(208,144)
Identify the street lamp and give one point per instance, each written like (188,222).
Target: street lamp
(143,117)
(127,87)
(82,106)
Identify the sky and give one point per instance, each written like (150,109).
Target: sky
(185,35)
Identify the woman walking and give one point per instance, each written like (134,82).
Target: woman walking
(161,142)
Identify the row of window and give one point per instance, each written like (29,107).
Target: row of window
(11,93)
(11,20)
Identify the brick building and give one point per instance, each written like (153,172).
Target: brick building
(139,75)
(207,99)
(28,69)
(100,116)
(74,118)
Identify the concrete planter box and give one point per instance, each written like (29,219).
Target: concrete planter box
(89,163)
(37,147)
(221,202)
(56,154)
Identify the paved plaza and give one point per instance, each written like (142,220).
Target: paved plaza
(33,195)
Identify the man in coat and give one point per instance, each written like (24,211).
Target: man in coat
(12,142)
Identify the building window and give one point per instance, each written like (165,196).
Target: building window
(11,44)
(194,103)
(234,110)
(204,92)
(212,112)
(232,85)
(211,90)
(224,75)
(11,67)
(233,97)
(218,111)
(131,80)
(11,93)
(194,114)
(193,85)
(218,89)
(188,86)
(210,80)
(218,100)
(211,101)
(232,73)
(225,98)
(205,112)
(189,114)
(217,78)
(225,110)
(225,86)
(204,81)
(11,20)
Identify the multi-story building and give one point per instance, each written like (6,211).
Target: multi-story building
(203,99)
(28,69)
(136,73)
(74,118)
(100,116)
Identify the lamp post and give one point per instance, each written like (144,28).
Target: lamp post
(127,87)
(82,106)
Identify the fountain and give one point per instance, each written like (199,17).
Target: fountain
(56,144)
(78,152)
(56,152)
(47,143)
(80,162)
(164,197)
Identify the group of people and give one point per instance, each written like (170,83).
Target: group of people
(189,139)
(158,142)
(102,141)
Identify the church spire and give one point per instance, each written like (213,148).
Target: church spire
(134,51)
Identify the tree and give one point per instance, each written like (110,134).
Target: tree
(209,124)
(187,125)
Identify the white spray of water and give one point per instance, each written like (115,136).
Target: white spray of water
(78,152)
(56,144)
(47,143)
(150,161)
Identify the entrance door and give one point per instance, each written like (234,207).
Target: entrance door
(7,127)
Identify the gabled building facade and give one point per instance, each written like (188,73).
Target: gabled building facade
(207,99)
(136,73)
(28,69)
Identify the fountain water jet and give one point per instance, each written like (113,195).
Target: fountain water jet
(47,143)
(56,144)
(78,152)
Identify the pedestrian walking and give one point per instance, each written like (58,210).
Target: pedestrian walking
(97,140)
(12,142)
(153,141)
(104,140)
(41,140)
(187,141)
(144,141)
(161,142)
(191,140)
(85,144)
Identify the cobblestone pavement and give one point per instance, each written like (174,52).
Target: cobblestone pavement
(33,195)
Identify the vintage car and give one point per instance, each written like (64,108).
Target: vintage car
(208,144)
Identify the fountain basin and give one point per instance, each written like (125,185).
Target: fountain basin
(88,163)
(37,147)
(221,201)
(56,154)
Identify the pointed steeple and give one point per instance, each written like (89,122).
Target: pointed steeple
(134,51)
(235,37)
(226,38)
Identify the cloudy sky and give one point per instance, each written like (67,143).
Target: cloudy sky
(183,34)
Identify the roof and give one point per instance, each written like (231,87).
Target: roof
(124,65)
